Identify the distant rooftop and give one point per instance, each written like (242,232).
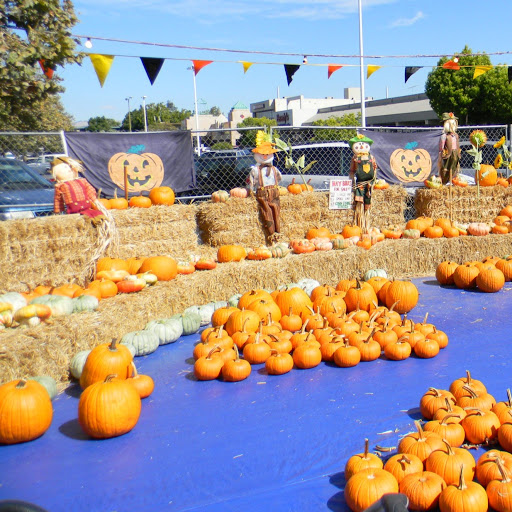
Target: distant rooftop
(239,106)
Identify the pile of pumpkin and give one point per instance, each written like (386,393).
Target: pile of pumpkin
(109,406)
(222,196)
(157,196)
(488,275)
(343,325)
(432,468)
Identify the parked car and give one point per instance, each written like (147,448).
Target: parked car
(42,164)
(23,192)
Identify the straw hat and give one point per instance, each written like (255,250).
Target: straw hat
(265,148)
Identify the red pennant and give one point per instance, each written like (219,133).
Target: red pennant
(332,68)
(200,64)
(451,64)
(47,71)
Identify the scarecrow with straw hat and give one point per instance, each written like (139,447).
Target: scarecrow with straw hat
(449,149)
(263,180)
(363,172)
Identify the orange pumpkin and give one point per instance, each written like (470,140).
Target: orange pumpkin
(117,203)
(163,267)
(350,230)
(140,202)
(294,188)
(318,233)
(486,176)
(162,195)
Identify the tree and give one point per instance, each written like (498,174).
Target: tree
(31,32)
(486,99)
(215,111)
(345,120)
(248,137)
(101,124)
(160,117)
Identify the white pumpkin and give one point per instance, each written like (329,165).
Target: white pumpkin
(59,304)
(145,342)
(16,299)
(168,330)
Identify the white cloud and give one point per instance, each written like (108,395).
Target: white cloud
(407,22)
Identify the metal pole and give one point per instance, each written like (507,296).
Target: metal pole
(144,112)
(363,94)
(129,113)
(198,138)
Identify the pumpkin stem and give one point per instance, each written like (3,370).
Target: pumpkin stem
(471,391)
(468,378)
(216,348)
(134,368)
(237,353)
(113,344)
(503,470)
(425,319)
(403,460)
(509,396)
(449,448)
(462,483)
(393,306)
(419,429)
(110,377)
(447,416)
(21,384)
(366,444)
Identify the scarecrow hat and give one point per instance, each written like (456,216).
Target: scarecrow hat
(360,138)
(449,115)
(265,148)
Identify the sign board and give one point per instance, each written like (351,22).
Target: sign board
(340,194)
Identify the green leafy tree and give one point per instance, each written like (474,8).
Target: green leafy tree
(221,145)
(248,137)
(486,99)
(345,120)
(101,124)
(31,31)
(215,111)
(160,117)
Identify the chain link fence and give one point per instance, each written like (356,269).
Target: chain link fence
(223,157)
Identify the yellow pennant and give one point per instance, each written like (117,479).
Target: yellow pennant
(246,65)
(480,70)
(101,65)
(371,70)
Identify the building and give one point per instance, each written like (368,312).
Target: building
(411,110)
(236,115)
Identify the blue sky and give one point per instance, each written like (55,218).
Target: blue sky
(409,28)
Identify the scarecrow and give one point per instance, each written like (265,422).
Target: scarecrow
(73,194)
(264,180)
(363,173)
(449,149)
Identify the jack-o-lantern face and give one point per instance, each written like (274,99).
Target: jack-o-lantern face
(411,164)
(144,172)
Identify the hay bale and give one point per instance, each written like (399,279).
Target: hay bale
(238,222)
(465,204)
(48,349)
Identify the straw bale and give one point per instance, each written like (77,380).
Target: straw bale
(466,205)
(48,349)
(238,222)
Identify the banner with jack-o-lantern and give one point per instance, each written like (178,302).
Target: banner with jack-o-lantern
(151,159)
(405,158)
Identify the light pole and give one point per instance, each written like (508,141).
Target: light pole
(363,94)
(198,138)
(129,113)
(144,113)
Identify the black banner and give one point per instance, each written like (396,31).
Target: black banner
(406,158)
(152,160)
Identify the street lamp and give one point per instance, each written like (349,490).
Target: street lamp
(129,113)
(198,138)
(363,94)
(144,113)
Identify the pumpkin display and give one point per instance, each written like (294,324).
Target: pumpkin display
(487,467)
(278,363)
(145,171)
(77,363)
(106,287)
(85,303)
(423,490)
(294,188)
(412,234)
(490,279)
(486,176)
(130,284)
(26,411)
(307,355)
(144,384)
(107,263)
(60,305)
(464,276)
(361,461)
(145,341)
(434,232)
(259,254)
(205,264)
(318,232)
(480,426)
(410,164)
(351,230)
(448,461)
(445,271)
(239,192)
(117,203)
(420,443)
(185,267)
(227,253)
(162,196)
(109,408)
(164,268)
(478,228)
(402,464)
(499,491)
(403,294)
(49,383)
(237,369)
(140,201)
(462,496)
(368,486)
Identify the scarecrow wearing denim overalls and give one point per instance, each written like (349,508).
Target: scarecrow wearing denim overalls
(363,173)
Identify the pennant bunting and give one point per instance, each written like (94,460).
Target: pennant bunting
(371,69)
(410,70)
(152,66)
(200,64)
(509,74)
(451,64)
(246,65)
(46,70)
(101,65)
(480,70)
(332,68)
(290,70)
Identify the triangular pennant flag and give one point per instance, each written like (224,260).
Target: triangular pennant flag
(451,64)
(246,65)
(332,68)
(290,70)
(371,70)
(509,74)
(152,66)
(46,70)
(480,70)
(410,70)
(200,64)
(101,65)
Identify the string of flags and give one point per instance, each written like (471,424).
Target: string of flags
(152,65)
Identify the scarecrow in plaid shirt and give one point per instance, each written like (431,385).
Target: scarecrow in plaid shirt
(73,194)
